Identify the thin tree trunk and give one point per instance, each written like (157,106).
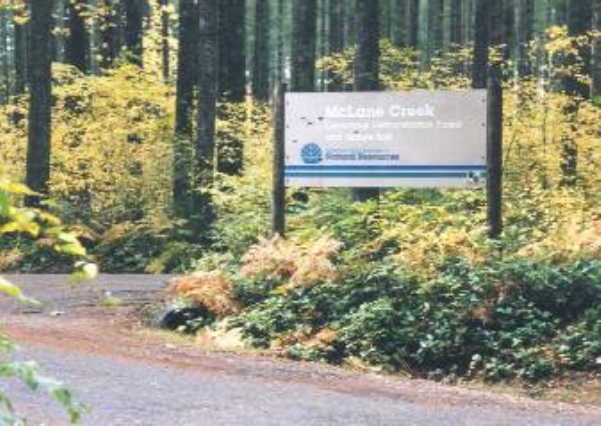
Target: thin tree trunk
(322,48)
(412,23)
(456,13)
(58,38)
(4,65)
(21,57)
(232,50)
(281,42)
(523,32)
(350,29)
(424,42)
(435,26)
(596,55)
(336,40)
(482,42)
(231,79)
(40,104)
(367,64)
(187,60)
(134,30)
(112,37)
(261,62)
(77,43)
(165,50)
(207,95)
(303,45)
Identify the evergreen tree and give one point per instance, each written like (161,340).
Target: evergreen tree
(524,20)
(412,23)
(77,43)
(480,66)
(5,19)
(207,95)
(336,40)
(134,29)
(596,52)
(112,32)
(304,34)
(21,53)
(187,60)
(165,49)
(367,64)
(261,62)
(40,103)
(232,50)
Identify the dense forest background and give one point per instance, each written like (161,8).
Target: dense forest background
(137,116)
(260,40)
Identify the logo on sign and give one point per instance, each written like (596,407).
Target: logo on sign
(312,154)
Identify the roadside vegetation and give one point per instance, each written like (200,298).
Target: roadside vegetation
(47,230)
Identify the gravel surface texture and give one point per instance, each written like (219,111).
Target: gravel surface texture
(132,377)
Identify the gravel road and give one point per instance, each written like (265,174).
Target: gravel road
(132,377)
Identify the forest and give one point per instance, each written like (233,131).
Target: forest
(146,127)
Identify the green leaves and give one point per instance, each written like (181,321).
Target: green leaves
(9,289)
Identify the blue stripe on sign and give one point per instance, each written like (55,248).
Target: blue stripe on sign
(472,168)
(405,175)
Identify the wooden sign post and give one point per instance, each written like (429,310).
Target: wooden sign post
(494,155)
(278,210)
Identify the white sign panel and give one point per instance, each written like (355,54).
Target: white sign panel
(386,139)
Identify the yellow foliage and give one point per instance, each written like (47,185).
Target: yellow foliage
(111,144)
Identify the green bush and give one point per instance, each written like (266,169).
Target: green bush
(503,319)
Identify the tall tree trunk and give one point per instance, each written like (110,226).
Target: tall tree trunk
(281,40)
(59,39)
(232,50)
(77,43)
(40,103)
(367,64)
(112,32)
(350,30)
(424,41)
(207,96)
(482,43)
(21,56)
(435,27)
(4,62)
(398,18)
(385,18)
(187,67)
(523,20)
(304,34)
(596,55)
(134,30)
(497,33)
(412,23)
(336,40)
(468,14)
(261,62)
(455,21)
(540,22)
(165,50)
(508,35)
(322,47)
(231,79)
